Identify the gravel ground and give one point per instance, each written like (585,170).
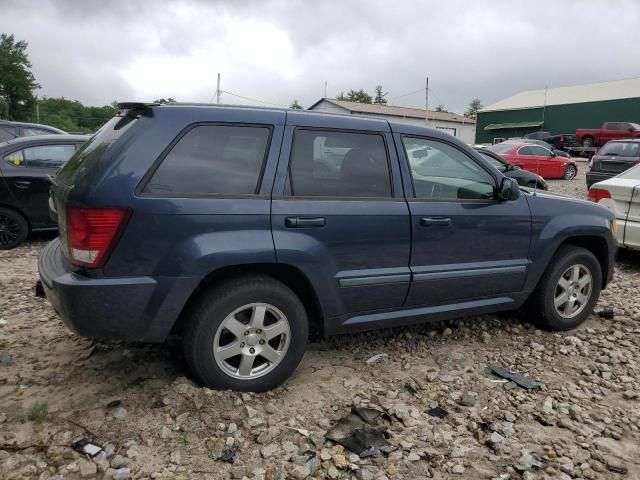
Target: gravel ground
(138,402)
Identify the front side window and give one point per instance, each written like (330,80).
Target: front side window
(213,159)
(613,126)
(48,156)
(534,150)
(30,131)
(445,172)
(339,164)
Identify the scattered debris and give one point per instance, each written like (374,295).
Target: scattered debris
(409,387)
(228,455)
(6,359)
(437,412)
(606,313)
(516,378)
(377,358)
(114,403)
(363,432)
(86,447)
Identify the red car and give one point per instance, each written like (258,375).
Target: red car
(537,159)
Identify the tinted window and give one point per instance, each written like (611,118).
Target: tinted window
(30,131)
(620,148)
(534,150)
(48,156)
(340,164)
(212,159)
(613,126)
(495,162)
(445,172)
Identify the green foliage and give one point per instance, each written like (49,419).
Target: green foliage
(355,96)
(295,105)
(164,101)
(72,116)
(17,83)
(474,106)
(379,99)
(38,412)
(440,108)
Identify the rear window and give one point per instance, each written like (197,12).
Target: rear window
(92,151)
(622,149)
(213,159)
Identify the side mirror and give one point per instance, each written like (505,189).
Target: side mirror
(508,190)
(554,154)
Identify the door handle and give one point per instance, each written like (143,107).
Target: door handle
(304,222)
(22,183)
(433,221)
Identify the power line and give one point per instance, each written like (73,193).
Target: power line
(406,94)
(253,99)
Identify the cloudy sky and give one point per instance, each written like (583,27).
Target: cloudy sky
(275,51)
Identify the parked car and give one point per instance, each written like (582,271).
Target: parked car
(10,130)
(542,143)
(612,159)
(26,167)
(621,195)
(537,159)
(213,222)
(559,141)
(524,178)
(595,137)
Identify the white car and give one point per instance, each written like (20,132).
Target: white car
(621,195)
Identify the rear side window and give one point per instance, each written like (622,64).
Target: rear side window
(339,164)
(31,132)
(213,159)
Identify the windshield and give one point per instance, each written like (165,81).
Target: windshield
(631,174)
(501,147)
(622,149)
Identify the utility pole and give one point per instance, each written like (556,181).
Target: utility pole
(37,111)
(426,101)
(325,89)
(218,91)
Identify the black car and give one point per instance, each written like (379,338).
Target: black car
(613,158)
(558,141)
(27,165)
(10,130)
(523,177)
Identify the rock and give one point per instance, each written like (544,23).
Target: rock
(446,378)
(536,347)
(377,358)
(626,379)
(88,469)
(333,472)
(119,413)
(121,474)
(118,461)
(6,359)
(457,452)
(166,433)
(447,332)
(268,450)
(615,465)
(364,474)
(458,469)
(467,400)
(340,461)
(629,395)
(547,406)
(496,438)
(251,412)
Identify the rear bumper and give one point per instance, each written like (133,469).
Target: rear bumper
(595,177)
(130,309)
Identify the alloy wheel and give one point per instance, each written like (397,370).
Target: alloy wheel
(9,230)
(573,291)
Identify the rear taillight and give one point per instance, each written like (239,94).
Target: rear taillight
(562,138)
(92,233)
(636,161)
(597,194)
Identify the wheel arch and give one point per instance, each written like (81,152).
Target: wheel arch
(19,212)
(289,275)
(596,245)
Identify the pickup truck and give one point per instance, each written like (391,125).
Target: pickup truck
(595,137)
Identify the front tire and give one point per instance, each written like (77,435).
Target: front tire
(567,291)
(570,172)
(14,229)
(248,335)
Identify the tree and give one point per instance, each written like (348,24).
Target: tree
(295,105)
(17,83)
(164,101)
(440,108)
(380,100)
(355,96)
(73,116)
(474,106)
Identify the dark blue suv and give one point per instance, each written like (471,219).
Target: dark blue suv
(241,228)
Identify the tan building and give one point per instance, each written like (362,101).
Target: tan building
(452,123)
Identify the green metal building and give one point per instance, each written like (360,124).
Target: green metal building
(560,110)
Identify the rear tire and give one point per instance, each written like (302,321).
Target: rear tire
(224,338)
(14,229)
(564,280)
(570,172)
(587,142)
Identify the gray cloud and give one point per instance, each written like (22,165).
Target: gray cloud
(278,50)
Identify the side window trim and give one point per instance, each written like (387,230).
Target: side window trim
(289,191)
(450,144)
(139,191)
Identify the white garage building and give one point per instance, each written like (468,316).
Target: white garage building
(452,123)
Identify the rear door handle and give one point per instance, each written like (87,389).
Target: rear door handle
(433,221)
(22,183)
(305,222)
